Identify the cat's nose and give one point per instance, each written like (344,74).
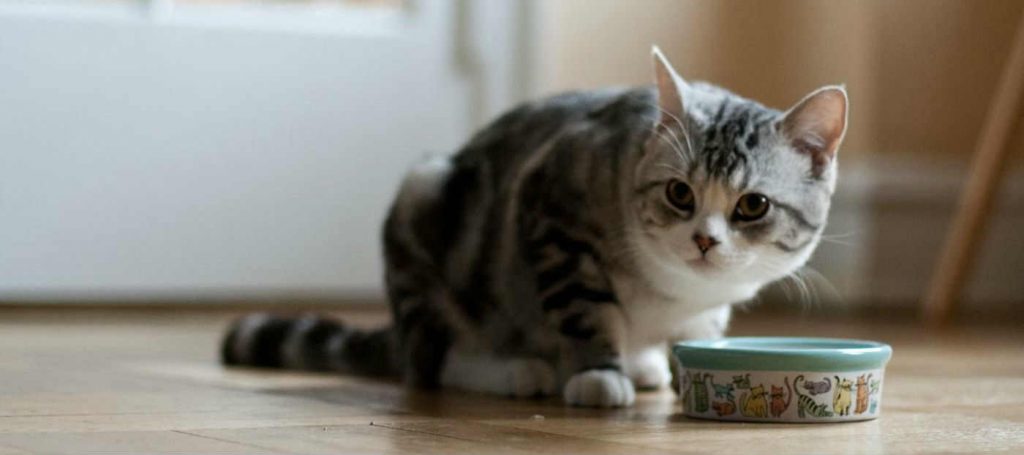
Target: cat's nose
(704,242)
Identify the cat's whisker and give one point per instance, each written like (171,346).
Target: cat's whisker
(675,145)
(840,239)
(674,169)
(671,116)
(837,242)
(682,127)
(821,285)
(687,151)
(794,283)
(675,139)
(844,235)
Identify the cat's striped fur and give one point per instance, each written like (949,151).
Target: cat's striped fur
(543,256)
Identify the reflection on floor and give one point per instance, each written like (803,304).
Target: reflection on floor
(77,380)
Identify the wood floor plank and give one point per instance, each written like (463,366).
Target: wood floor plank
(508,438)
(72,381)
(7,450)
(155,442)
(357,439)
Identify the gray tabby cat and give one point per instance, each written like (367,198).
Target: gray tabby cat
(570,240)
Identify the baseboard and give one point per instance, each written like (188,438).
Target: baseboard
(888,223)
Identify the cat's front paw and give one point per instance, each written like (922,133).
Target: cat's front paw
(599,388)
(649,369)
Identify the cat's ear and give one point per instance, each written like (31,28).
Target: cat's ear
(670,89)
(816,125)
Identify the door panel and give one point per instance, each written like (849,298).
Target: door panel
(151,156)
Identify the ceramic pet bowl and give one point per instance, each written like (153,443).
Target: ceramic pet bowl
(781,379)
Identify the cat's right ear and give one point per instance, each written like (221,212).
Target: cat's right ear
(817,124)
(670,89)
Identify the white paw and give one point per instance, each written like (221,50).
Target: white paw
(649,369)
(599,388)
(530,378)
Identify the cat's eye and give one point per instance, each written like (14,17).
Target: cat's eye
(751,207)
(680,195)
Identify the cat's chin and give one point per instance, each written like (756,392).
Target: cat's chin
(703,266)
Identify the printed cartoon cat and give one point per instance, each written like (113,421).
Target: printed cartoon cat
(700,391)
(756,403)
(805,405)
(779,405)
(815,388)
(723,391)
(876,388)
(742,381)
(862,394)
(725,402)
(842,396)
(723,408)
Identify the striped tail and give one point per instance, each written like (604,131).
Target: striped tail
(308,342)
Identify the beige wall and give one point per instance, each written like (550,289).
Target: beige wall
(920,72)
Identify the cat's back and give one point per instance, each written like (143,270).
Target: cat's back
(520,132)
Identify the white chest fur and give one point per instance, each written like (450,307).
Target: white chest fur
(692,308)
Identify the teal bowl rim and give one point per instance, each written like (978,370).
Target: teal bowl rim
(783,354)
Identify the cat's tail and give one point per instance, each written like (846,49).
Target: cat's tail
(796,389)
(308,342)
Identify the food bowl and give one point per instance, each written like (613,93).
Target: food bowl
(781,379)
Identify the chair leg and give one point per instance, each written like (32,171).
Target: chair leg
(966,233)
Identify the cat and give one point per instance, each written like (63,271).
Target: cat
(569,239)
(862,394)
(755,404)
(723,391)
(723,408)
(875,386)
(815,388)
(700,391)
(842,396)
(805,405)
(725,402)
(779,405)
(742,381)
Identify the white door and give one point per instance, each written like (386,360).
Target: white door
(227,148)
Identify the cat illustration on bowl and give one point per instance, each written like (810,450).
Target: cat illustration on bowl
(819,387)
(842,396)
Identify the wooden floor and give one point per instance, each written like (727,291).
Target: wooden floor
(74,381)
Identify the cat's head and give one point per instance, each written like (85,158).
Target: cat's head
(777,392)
(757,390)
(729,190)
(862,380)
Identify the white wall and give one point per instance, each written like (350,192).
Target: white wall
(177,158)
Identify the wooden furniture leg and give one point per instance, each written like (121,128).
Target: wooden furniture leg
(965,235)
